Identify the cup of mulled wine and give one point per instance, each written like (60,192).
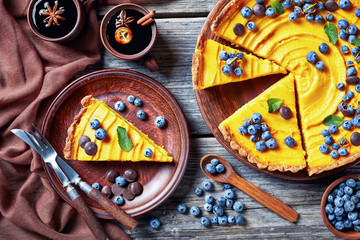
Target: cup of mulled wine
(124,38)
(56,20)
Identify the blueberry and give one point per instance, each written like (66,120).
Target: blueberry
(339,202)
(347,125)
(138,102)
(330,198)
(331,217)
(340,86)
(335,146)
(260,145)
(354,51)
(343,24)
(214,219)
(328,140)
(298,3)
(271,143)
(307,8)
(334,154)
(131,99)
(229,194)
(351,71)
(320,65)
(357,87)
(246,12)
(344,49)
(309,17)
(238,206)
(354,199)
(324,149)
(121,181)
(329,208)
(208,207)
(270,12)
(348,190)
(323,48)
(230,62)
(231,55)
(357,12)
(219,211)
(239,56)
(195,211)
(209,198)
(238,71)
(119,106)
(119,200)
(352,216)
(181,208)
(207,185)
(210,168)
(96,186)
(251,130)
(286,3)
(339,225)
(356,121)
(342,185)
(223,55)
(329,17)
(160,121)
(266,135)
(226,70)
(338,211)
(222,220)
(293,16)
(348,63)
(342,106)
(344,4)
(239,219)
(214,162)
(289,141)
(155,223)
(325,132)
(254,138)
(297,11)
(346,197)
(345,98)
(264,127)
(343,151)
(311,57)
(205,221)
(229,203)
(220,168)
(250,26)
(256,118)
(352,29)
(198,191)
(349,206)
(148,152)
(94,123)
(246,123)
(318,18)
(221,201)
(320,6)
(141,114)
(347,223)
(356,222)
(258,127)
(342,34)
(100,133)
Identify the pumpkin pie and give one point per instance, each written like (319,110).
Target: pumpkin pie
(108,149)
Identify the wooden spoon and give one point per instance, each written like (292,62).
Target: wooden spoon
(229,176)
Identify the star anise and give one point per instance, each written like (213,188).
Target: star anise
(53,14)
(123,20)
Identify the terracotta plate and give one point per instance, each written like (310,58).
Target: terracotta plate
(159,179)
(218,103)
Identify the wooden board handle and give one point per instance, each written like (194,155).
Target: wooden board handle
(265,198)
(85,212)
(110,207)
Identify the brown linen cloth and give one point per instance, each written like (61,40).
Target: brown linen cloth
(32,72)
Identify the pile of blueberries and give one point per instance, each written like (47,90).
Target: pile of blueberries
(348,32)
(312,56)
(343,206)
(231,59)
(214,167)
(329,141)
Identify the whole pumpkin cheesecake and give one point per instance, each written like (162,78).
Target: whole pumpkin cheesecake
(122,141)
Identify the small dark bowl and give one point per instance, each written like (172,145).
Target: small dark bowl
(329,189)
(68,37)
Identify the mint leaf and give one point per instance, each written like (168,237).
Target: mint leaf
(331,32)
(123,139)
(333,119)
(279,9)
(273,104)
(356,42)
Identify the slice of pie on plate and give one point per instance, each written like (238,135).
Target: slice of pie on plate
(282,157)
(108,148)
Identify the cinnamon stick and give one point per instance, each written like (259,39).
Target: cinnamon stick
(150,20)
(146,18)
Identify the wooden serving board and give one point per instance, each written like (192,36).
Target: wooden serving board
(219,102)
(158,179)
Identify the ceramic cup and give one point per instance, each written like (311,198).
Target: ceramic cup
(144,54)
(78,25)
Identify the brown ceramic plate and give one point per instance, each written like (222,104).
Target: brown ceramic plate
(159,179)
(219,102)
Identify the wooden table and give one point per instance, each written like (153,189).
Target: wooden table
(179,23)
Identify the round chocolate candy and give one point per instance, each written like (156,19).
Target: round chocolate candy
(353,80)
(83,140)
(130,175)
(259,9)
(111,175)
(331,5)
(348,112)
(239,29)
(106,191)
(90,148)
(355,139)
(136,188)
(117,190)
(285,112)
(128,195)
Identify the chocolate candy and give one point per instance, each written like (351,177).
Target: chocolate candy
(348,113)
(238,29)
(135,188)
(259,9)
(331,5)
(128,195)
(285,112)
(353,80)
(106,191)
(355,139)
(111,175)
(83,140)
(116,189)
(90,148)
(130,175)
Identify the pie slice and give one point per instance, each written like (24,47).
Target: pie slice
(207,65)
(282,158)
(108,148)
